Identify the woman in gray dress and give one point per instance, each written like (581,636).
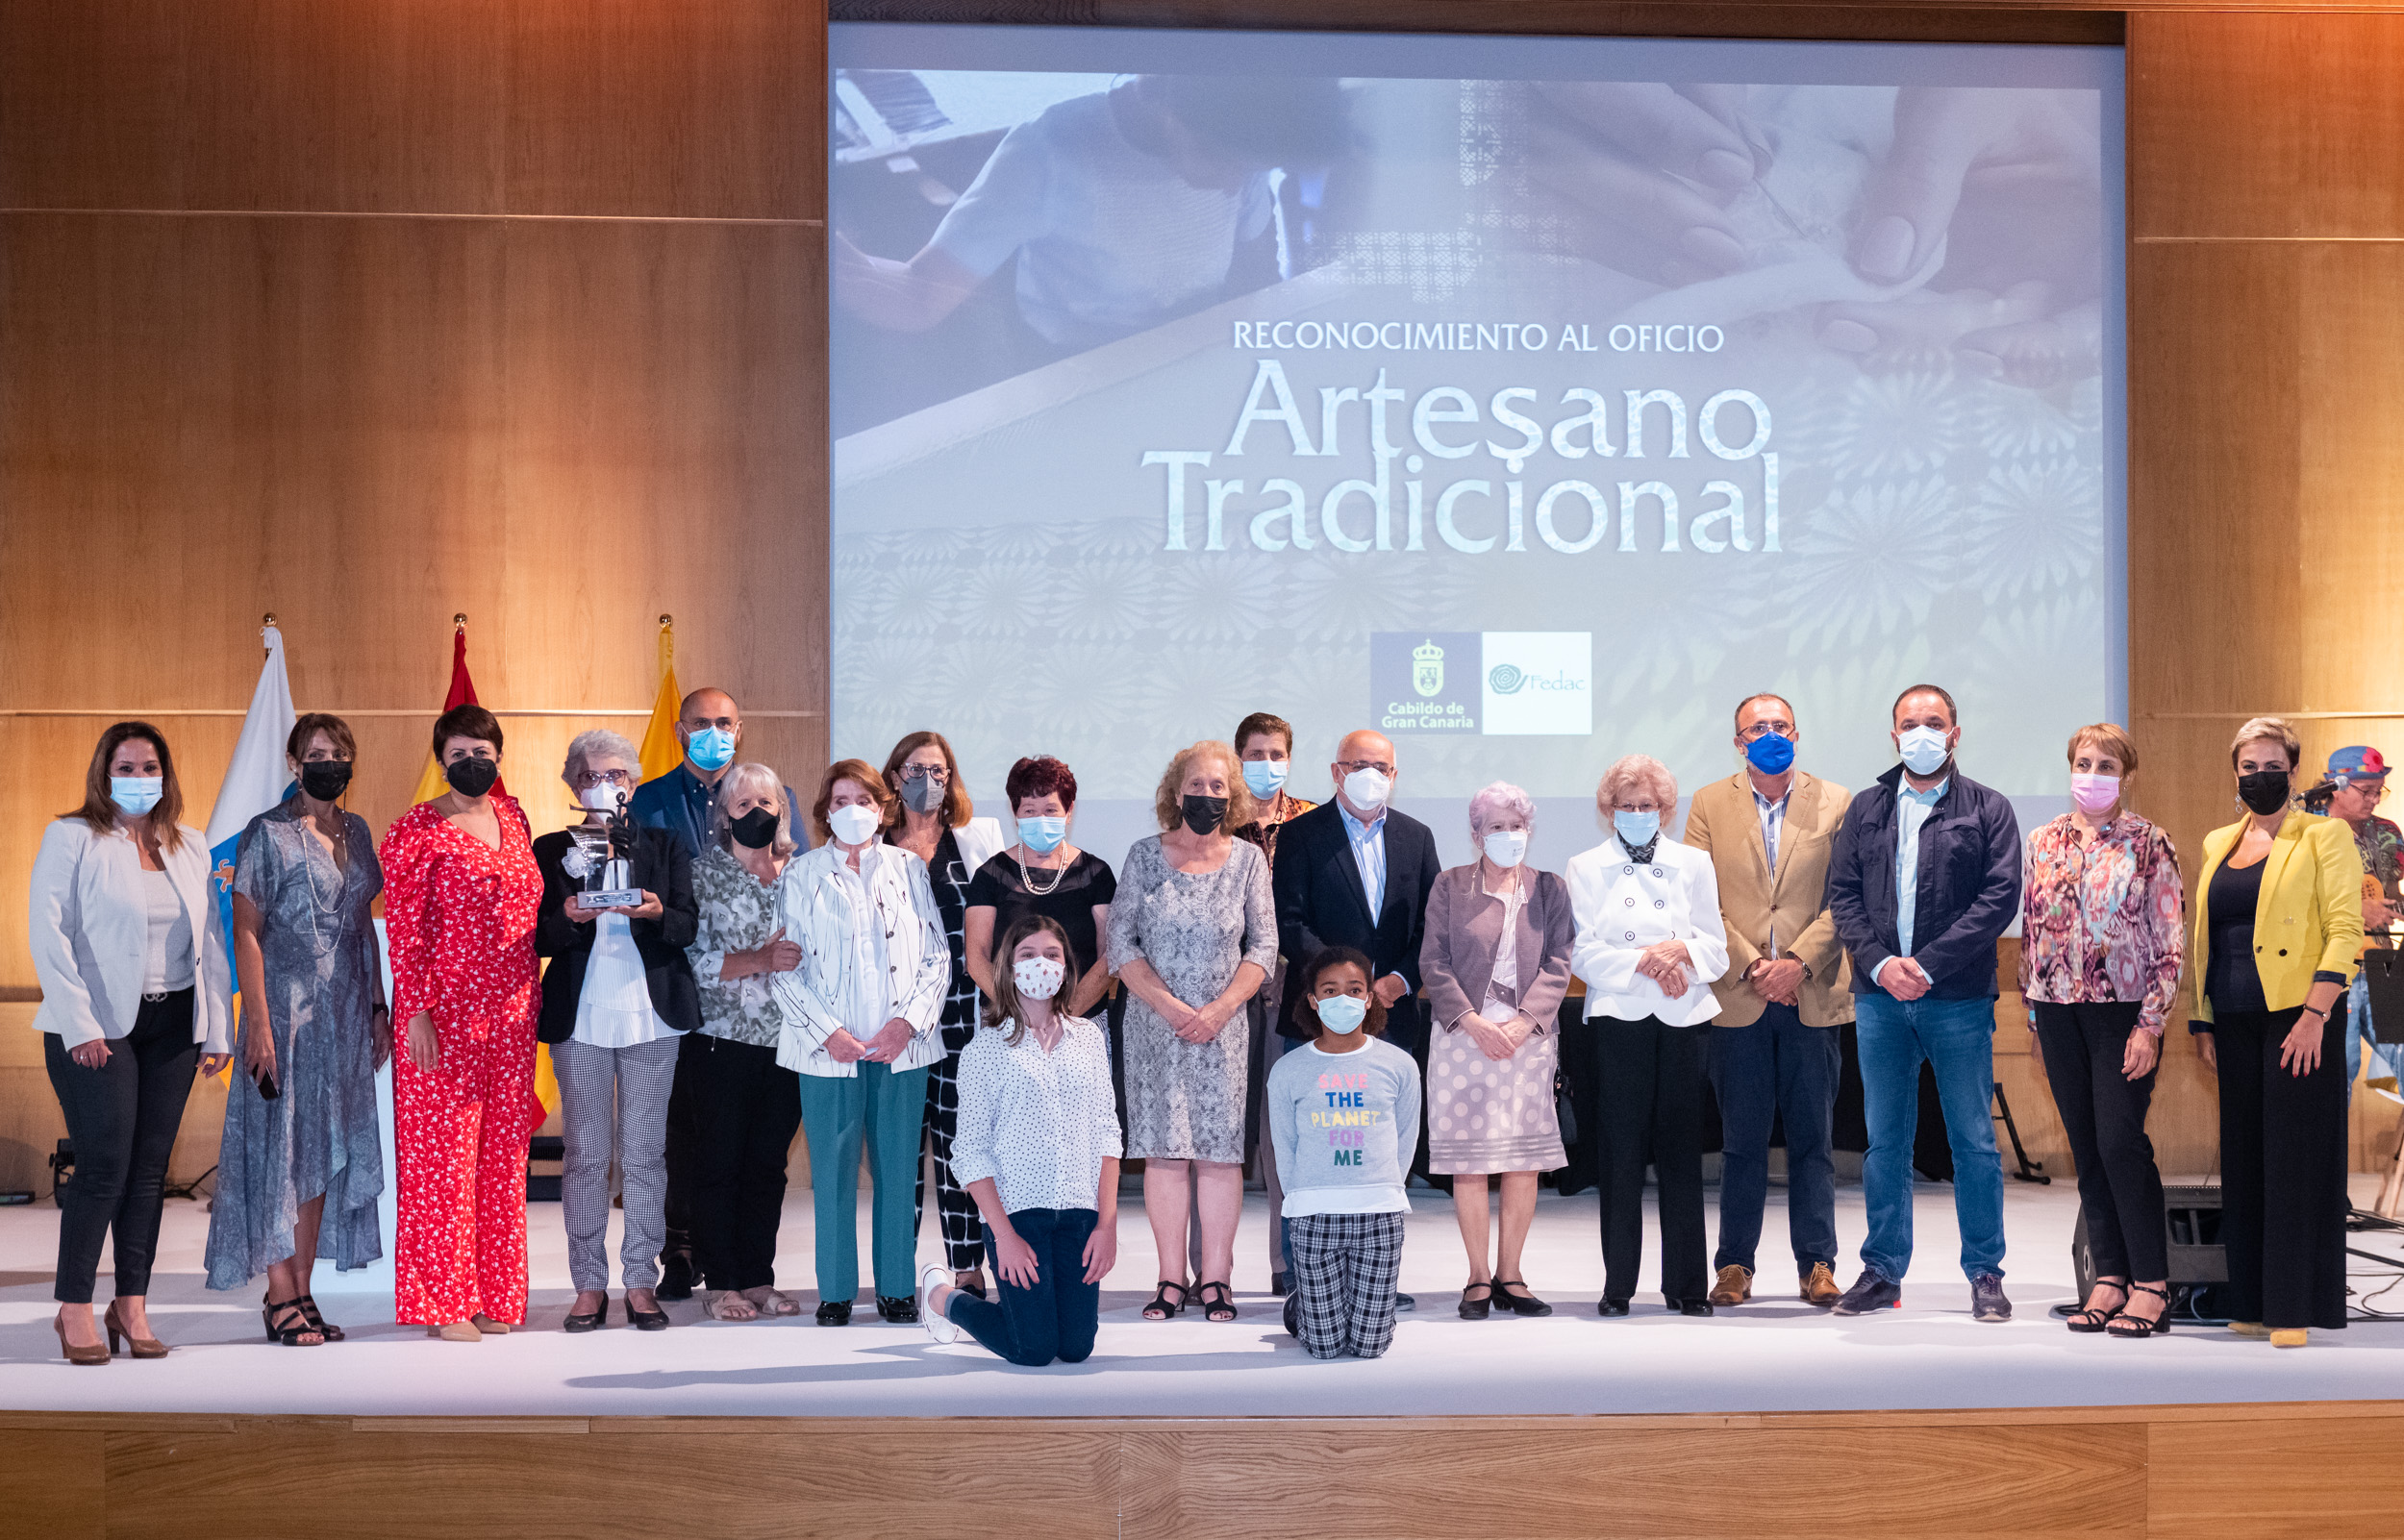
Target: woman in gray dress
(300,1155)
(1192,933)
(1495,966)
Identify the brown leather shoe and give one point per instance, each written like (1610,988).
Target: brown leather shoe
(1819,1286)
(1734,1286)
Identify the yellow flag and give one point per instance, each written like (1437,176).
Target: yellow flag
(661,750)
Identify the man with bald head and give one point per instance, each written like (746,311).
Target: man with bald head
(680,802)
(1355,873)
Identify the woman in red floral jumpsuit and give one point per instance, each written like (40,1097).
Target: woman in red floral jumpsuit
(459,896)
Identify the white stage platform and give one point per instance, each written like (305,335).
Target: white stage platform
(1777,1354)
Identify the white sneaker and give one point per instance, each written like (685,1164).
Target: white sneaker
(940,1325)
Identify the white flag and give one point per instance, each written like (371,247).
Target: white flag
(258,779)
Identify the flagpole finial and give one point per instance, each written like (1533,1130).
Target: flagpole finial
(459,622)
(267,619)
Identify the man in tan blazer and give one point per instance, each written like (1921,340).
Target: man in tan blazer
(1769,829)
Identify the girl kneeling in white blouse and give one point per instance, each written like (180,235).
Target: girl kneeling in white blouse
(1038,1149)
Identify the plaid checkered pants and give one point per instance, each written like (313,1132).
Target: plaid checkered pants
(1344,1271)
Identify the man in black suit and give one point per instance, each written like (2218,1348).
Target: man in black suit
(1355,873)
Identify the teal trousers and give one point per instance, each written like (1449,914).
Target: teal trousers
(886,1109)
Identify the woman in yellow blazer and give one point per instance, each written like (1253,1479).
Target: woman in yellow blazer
(2278,923)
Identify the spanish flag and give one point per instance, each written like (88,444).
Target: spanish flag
(661,750)
(463,692)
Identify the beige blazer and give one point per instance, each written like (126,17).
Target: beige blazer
(1722,820)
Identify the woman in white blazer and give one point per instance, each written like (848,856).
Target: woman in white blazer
(130,955)
(859,1023)
(931,819)
(1649,944)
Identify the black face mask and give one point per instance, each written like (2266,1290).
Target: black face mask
(2264,792)
(325,778)
(472,776)
(1204,814)
(754,829)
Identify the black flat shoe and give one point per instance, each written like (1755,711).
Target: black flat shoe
(1480,1308)
(900,1313)
(1610,1307)
(1692,1307)
(676,1276)
(645,1320)
(1522,1303)
(835,1313)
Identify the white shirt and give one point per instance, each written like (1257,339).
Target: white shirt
(1038,1124)
(1622,907)
(613,1008)
(167,960)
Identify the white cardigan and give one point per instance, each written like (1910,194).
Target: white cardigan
(1622,907)
(819,917)
(89,923)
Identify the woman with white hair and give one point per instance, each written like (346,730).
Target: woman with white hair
(616,999)
(1495,967)
(1649,941)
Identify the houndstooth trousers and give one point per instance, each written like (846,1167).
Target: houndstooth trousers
(1344,1271)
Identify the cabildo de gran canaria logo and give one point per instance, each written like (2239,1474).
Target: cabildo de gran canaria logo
(1427,668)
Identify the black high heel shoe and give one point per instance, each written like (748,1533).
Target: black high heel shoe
(1477,1310)
(325,1328)
(2125,1325)
(643,1320)
(1521,1304)
(289,1335)
(588,1319)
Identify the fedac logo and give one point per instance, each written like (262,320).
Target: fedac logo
(1425,682)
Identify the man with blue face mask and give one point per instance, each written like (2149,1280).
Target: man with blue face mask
(1769,829)
(682,801)
(1925,880)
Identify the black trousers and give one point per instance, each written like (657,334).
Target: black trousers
(676,1214)
(122,1119)
(2103,1111)
(1649,1087)
(742,1109)
(2283,1172)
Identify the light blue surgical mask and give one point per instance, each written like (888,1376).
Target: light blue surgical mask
(1264,778)
(1636,829)
(1342,1013)
(1923,750)
(135,795)
(1042,835)
(711,748)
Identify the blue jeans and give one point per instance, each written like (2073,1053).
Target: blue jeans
(1957,1037)
(2389,1057)
(1057,1318)
(1775,1069)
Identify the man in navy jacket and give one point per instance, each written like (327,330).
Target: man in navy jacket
(1924,879)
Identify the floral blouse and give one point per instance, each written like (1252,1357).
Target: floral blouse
(738,914)
(2103,919)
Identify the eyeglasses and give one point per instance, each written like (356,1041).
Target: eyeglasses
(1785,729)
(603,778)
(1353,766)
(2371,791)
(926,772)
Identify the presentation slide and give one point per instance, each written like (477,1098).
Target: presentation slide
(1530,399)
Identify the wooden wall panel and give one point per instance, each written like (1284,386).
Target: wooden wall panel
(2247,123)
(2224,1478)
(728,95)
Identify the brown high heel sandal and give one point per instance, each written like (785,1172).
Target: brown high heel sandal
(97,1353)
(143,1346)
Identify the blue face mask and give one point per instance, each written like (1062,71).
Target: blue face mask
(1342,1013)
(711,748)
(1770,754)
(1636,829)
(1042,835)
(1264,778)
(135,795)
(1923,749)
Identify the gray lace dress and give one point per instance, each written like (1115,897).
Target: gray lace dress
(1186,1100)
(319,1136)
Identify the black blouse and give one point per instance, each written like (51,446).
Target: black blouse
(2232,982)
(1085,884)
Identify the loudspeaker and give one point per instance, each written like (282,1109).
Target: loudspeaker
(2383,981)
(2192,1232)
(544,1188)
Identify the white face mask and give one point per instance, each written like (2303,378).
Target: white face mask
(1506,847)
(600,797)
(1038,978)
(1923,749)
(1366,790)
(853,825)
